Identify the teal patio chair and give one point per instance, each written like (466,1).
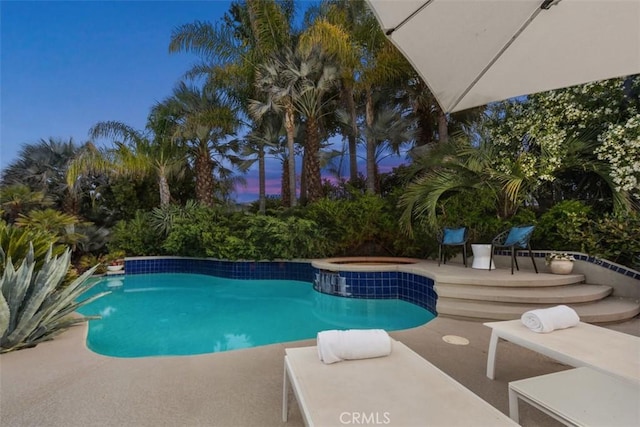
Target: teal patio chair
(515,238)
(452,236)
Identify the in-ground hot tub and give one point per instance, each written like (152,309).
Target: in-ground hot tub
(374,278)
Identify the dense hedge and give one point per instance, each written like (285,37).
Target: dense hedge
(364,225)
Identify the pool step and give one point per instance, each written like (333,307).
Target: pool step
(575,293)
(483,295)
(501,277)
(607,310)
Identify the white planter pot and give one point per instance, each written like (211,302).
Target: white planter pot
(115,267)
(561,266)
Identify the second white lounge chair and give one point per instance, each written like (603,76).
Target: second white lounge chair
(401,389)
(599,348)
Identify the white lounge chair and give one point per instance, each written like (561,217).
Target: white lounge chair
(401,389)
(587,345)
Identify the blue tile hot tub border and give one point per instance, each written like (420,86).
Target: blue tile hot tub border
(408,287)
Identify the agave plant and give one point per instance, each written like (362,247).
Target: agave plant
(33,308)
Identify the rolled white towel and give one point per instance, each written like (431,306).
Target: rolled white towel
(336,346)
(549,319)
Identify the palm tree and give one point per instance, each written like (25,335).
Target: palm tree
(202,119)
(390,131)
(370,63)
(19,199)
(43,167)
(313,78)
(257,141)
(337,29)
(156,155)
(57,224)
(135,154)
(232,51)
(279,96)
(442,170)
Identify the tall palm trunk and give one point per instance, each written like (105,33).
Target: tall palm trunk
(289,125)
(425,125)
(163,186)
(304,189)
(286,202)
(314,177)
(262,197)
(352,137)
(204,179)
(70,202)
(371,145)
(443,127)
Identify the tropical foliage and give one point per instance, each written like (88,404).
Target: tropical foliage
(273,87)
(18,242)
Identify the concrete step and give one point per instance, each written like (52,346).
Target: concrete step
(610,309)
(576,293)
(504,278)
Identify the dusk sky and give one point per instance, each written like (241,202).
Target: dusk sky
(66,65)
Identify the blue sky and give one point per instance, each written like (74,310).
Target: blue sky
(66,65)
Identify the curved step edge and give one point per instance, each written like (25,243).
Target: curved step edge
(576,293)
(608,310)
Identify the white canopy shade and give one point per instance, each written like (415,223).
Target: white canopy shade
(472,52)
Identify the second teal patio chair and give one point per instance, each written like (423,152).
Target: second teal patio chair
(452,236)
(515,238)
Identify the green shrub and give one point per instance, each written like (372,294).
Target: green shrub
(212,232)
(288,238)
(16,242)
(612,237)
(90,260)
(33,306)
(474,210)
(52,222)
(560,228)
(200,231)
(362,225)
(136,237)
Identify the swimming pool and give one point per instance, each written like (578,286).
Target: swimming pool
(187,314)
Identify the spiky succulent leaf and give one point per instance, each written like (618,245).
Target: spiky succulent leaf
(15,285)
(5,314)
(70,308)
(47,279)
(68,295)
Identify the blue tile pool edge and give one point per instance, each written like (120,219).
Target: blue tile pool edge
(409,287)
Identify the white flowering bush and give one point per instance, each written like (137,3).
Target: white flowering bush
(621,149)
(533,138)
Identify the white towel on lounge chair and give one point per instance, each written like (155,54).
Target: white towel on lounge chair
(336,346)
(549,319)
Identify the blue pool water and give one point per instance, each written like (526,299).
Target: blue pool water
(185,314)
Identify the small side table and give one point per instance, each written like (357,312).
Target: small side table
(580,397)
(482,256)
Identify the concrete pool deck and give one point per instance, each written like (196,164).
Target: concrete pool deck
(62,383)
